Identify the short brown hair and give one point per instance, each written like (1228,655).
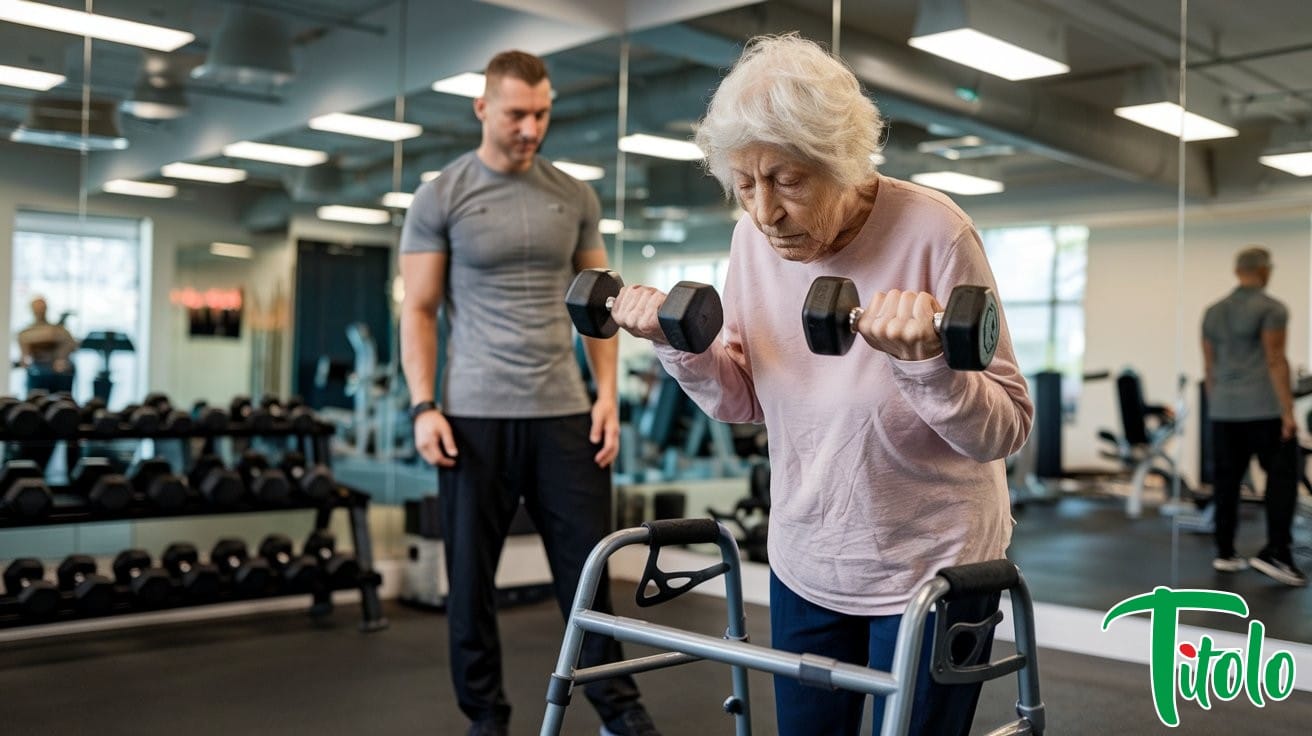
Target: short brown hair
(517,65)
(1253,258)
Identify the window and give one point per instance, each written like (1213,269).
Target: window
(705,270)
(89,273)
(1041,275)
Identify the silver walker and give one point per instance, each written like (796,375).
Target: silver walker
(816,671)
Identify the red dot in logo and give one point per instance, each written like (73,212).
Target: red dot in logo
(1188,650)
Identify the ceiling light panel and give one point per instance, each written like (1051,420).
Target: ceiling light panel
(103,27)
(17,76)
(360,215)
(399,200)
(275,154)
(1000,37)
(582,172)
(1166,117)
(366,127)
(958,183)
(140,188)
(468,84)
(659,147)
(196,172)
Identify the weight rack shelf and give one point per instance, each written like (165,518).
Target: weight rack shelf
(234,429)
(11,616)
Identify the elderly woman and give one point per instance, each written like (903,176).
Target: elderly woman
(887,464)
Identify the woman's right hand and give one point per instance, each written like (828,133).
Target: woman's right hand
(636,311)
(434,439)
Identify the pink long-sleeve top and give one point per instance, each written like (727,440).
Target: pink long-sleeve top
(883,471)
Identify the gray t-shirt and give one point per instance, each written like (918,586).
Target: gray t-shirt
(1234,325)
(511,240)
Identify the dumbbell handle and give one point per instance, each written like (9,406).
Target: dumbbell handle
(855,316)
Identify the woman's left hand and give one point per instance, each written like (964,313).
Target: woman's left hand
(901,323)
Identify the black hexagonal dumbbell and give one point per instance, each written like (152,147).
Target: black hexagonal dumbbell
(298,572)
(19,418)
(38,599)
(98,418)
(968,326)
(150,586)
(314,482)
(92,594)
(23,490)
(94,479)
(256,417)
(200,580)
(267,484)
(171,420)
(249,576)
(302,417)
(219,486)
(143,419)
(58,412)
(209,417)
(690,317)
(342,570)
(154,479)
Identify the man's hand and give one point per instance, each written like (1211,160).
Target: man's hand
(605,430)
(1288,427)
(434,439)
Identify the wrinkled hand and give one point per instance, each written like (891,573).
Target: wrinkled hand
(901,323)
(635,312)
(605,430)
(434,439)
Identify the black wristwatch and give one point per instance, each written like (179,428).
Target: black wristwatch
(422,407)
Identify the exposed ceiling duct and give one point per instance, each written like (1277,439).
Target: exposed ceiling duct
(915,86)
(249,49)
(57,122)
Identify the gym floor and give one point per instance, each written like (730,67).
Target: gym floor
(281,674)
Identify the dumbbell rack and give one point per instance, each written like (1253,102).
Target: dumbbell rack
(70,508)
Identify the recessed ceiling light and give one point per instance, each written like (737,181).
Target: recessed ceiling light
(361,215)
(582,172)
(1165,116)
(140,188)
(366,127)
(15,76)
(275,154)
(958,183)
(660,147)
(468,84)
(197,172)
(399,200)
(103,27)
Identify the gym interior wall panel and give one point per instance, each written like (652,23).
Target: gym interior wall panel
(1131,316)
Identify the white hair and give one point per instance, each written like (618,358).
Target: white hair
(788,92)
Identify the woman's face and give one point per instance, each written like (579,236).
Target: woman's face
(799,207)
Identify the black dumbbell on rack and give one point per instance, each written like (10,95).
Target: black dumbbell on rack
(58,412)
(94,479)
(254,416)
(968,326)
(170,419)
(209,417)
(267,484)
(38,599)
(314,482)
(97,417)
(137,418)
(298,572)
(690,317)
(154,479)
(19,418)
(248,576)
(92,594)
(342,570)
(199,580)
(23,490)
(219,485)
(150,586)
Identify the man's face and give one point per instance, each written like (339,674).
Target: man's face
(515,115)
(39,309)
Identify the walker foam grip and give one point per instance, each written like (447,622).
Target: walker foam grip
(980,578)
(682,531)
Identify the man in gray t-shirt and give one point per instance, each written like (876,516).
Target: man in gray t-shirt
(1251,407)
(495,241)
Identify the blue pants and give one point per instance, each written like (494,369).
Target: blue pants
(797,625)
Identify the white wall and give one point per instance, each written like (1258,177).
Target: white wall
(1137,315)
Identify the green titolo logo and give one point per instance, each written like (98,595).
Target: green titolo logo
(1201,671)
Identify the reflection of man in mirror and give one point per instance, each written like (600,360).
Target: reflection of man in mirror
(44,348)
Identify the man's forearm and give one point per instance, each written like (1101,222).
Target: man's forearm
(602,357)
(419,353)
(1279,370)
